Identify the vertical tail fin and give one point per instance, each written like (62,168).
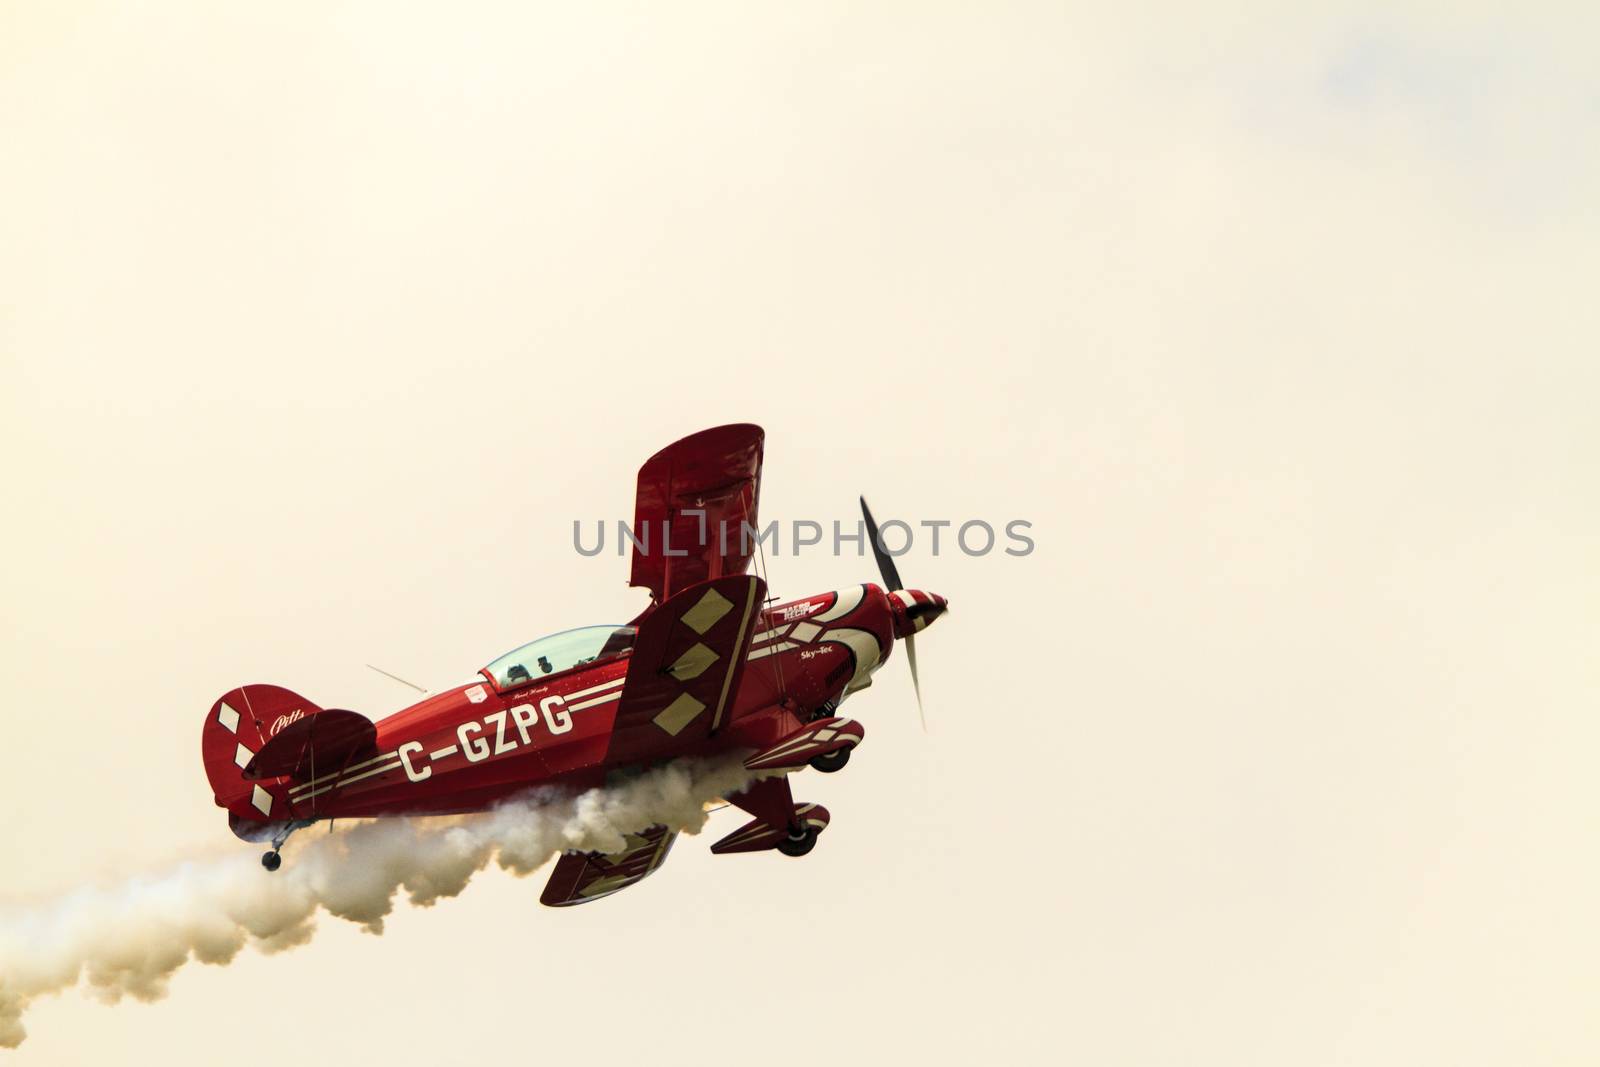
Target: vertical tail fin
(238,726)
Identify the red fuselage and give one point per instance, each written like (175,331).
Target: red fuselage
(464,749)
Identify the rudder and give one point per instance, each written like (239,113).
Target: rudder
(238,726)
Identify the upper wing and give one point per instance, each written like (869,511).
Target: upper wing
(580,877)
(684,670)
(693,499)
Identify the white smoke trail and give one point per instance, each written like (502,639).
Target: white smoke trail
(128,940)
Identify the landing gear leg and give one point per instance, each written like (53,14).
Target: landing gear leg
(271,859)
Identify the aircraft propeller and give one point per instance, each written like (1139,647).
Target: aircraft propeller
(891,581)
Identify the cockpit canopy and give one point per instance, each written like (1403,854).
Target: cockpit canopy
(570,648)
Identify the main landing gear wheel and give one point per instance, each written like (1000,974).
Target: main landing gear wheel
(799,841)
(271,860)
(833,761)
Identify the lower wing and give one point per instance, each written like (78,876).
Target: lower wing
(580,877)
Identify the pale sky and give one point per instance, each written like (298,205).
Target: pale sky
(320,323)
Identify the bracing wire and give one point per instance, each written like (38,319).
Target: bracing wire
(777,667)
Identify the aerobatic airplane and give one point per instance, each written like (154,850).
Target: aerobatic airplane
(709,668)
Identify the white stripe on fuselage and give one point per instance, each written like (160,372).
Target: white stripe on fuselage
(345,770)
(606,699)
(767,635)
(360,771)
(580,694)
(348,781)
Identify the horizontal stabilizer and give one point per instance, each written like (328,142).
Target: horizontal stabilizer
(315,744)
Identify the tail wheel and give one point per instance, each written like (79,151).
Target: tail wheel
(799,842)
(833,761)
(271,860)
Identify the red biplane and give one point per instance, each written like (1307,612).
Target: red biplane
(708,668)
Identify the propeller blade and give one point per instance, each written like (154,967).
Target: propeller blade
(891,576)
(911,658)
(891,580)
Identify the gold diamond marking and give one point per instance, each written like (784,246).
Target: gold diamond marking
(631,843)
(693,663)
(704,615)
(678,714)
(601,886)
